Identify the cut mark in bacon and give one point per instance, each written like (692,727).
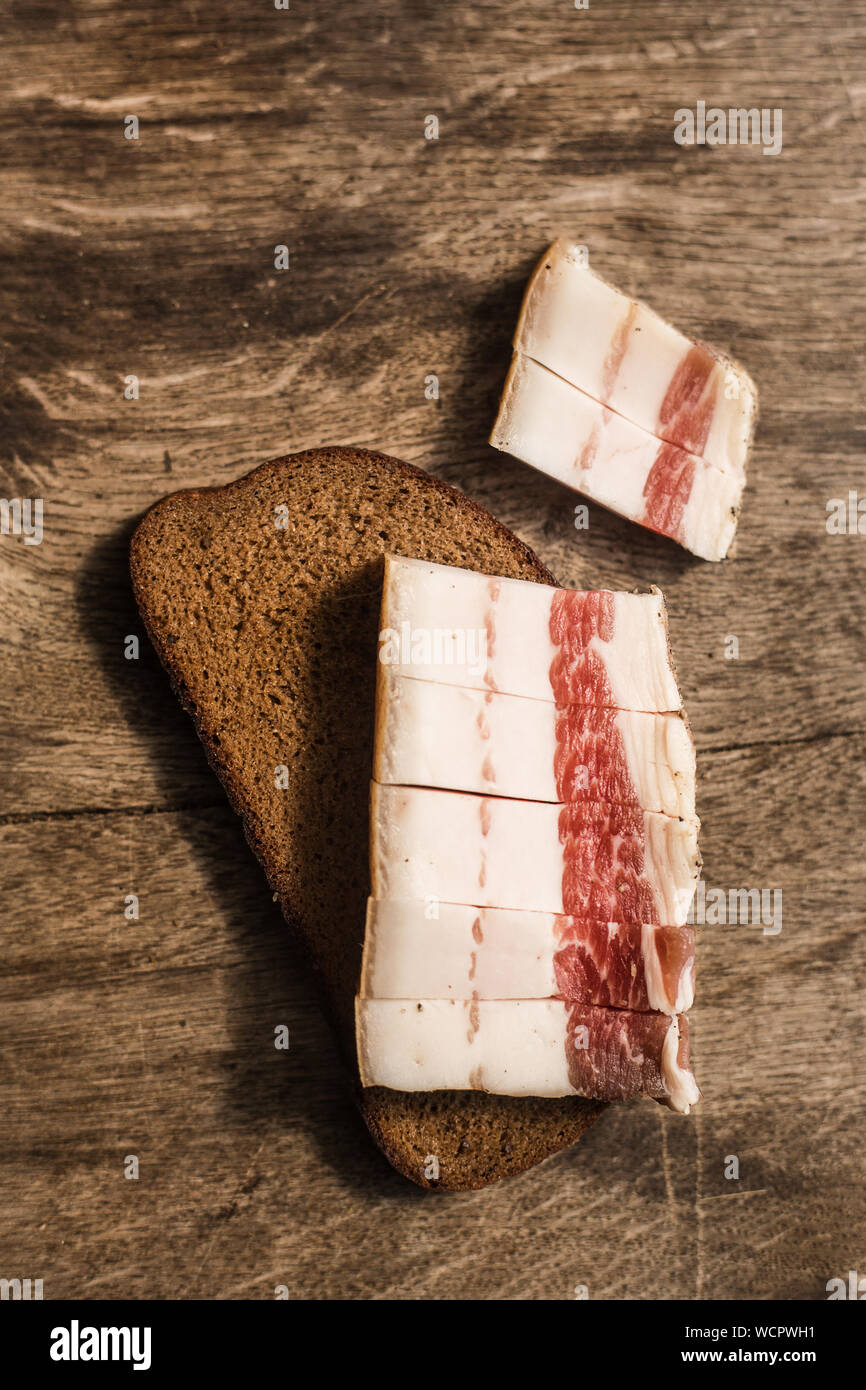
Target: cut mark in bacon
(686,413)
(667,490)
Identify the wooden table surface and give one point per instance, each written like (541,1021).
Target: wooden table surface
(155,258)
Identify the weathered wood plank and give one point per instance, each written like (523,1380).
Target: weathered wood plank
(157,1037)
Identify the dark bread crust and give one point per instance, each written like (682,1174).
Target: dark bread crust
(269,638)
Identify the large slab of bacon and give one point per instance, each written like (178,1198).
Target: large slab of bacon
(611,400)
(533,844)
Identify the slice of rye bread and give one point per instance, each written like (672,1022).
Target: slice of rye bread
(269,635)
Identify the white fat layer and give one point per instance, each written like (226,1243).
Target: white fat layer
(710,515)
(637,657)
(460,953)
(563,432)
(660,754)
(514,654)
(503,627)
(434,735)
(496,852)
(572,322)
(512,1048)
(681,1086)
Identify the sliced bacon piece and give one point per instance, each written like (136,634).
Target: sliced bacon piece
(624,356)
(526,1047)
(461,628)
(606,863)
(414,950)
(569,435)
(429,734)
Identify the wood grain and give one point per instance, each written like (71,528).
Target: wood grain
(155,258)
